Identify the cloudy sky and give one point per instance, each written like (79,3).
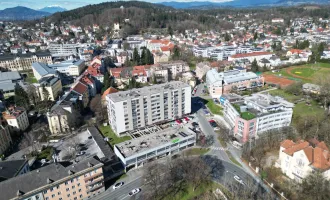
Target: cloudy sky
(68,4)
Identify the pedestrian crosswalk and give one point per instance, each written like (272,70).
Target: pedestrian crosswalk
(219,148)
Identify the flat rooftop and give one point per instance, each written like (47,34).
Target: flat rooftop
(231,76)
(148,90)
(162,137)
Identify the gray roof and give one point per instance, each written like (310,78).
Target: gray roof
(9,76)
(49,81)
(42,68)
(103,145)
(9,169)
(67,63)
(145,91)
(7,85)
(38,178)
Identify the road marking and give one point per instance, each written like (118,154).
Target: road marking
(218,148)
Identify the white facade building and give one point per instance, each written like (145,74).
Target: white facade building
(16,118)
(145,106)
(59,50)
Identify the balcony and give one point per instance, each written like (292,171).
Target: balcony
(101,178)
(92,189)
(93,176)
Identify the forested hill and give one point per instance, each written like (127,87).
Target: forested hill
(141,15)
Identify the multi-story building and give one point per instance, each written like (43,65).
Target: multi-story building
(13,168)
(16,118)
(155,145)
(24,61)
(251,56)
(226,82)
(175,67)
(52,85)
(298,159)
(141,107)
(8,81)
(63,50)
(61,118)
(82,180)
(251,116)
(5,138)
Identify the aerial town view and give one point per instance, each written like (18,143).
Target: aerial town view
(165,100)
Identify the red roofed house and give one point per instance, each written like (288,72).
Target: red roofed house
(16,118)
(82,90)
(250,56)
(88,80)
(294,52)
(298,159)
(110,90)
(140,74)
(165,50)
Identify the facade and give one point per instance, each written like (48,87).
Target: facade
(201,69)
(298,159)
(251,116)
(156,145)
(24,61)
(5,139)
(250,56)
(224,82)
(42,70)
(61,118)
(69,67)
(53,86)
(17,119)
(63,50)
(175,67)
(136,108)
(83,180)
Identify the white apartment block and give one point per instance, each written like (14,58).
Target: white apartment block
(129,110)
(175,67)
(63,50)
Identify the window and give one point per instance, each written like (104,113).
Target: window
(75,198)
(53,195)
(60,199)
(66,182)
(59,193)
(46,198)
(73,187)
(80,196)
(45,192)
(37,196)
(68,195)
(51,189)
(74,193)
(79,190)
(72,180)
(78,184)
(67,189)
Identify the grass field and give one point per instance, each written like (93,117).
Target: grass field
(308,73)
(214,108)
(113,138)
(283,94)
(196,151)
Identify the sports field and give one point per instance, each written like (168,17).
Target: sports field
(308,73)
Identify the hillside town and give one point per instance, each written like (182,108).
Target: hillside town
(93,112)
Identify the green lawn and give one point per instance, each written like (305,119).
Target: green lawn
(46,154)
(283,94)
(30,77)
(113,138)
(196,151)
(247,115)
(304,71)
(233,160)
(214,108)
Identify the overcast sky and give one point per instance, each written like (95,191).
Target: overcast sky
(68,4)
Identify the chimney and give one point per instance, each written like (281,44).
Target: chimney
(49,181)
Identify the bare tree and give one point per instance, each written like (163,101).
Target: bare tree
(324,83)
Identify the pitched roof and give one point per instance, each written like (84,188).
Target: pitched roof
(9,169)
(297,147)
(110,90)
(115,72)
(287,143)
(80,88)
(164,48)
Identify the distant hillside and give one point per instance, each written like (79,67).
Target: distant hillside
(21,13)
(52,9)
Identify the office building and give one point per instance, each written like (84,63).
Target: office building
(83,180)
(233,80)
(63,50)
(250,116)
(20,62)
(141,107)
(154,145)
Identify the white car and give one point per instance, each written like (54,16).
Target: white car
(134,191)
(118,185)
(238,179)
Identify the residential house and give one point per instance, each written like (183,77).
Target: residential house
(201,69)
(298,159)
(16,118)
(52,85)
(139,73)
(81,89)
(250,56)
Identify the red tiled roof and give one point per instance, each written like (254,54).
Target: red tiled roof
(87,80)
(155,41)
(115,72)
(287,143)
(298,51)
(139,70)
(291,150)
(251,54)
(164,48)
(110,90)
(80,88)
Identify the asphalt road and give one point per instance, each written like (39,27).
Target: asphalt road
(222,172)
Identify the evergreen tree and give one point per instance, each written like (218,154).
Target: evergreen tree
(136,56)
(21,97)
(254,66)
(170,30)
(149,57)
(255,37)
(227,37)
(106,81)
(176,53)
(143,59)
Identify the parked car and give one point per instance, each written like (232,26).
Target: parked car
(191,117)
(118,185)
(238,179)
(186,119)
(178,121)
(194,124)
(134,191)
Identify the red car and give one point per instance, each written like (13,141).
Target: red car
(186,118)
(178,121)
(211,121)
